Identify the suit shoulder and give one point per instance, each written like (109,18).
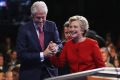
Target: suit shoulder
(50,22)
(30,23)
(27,23)
(50,26)
(23,28)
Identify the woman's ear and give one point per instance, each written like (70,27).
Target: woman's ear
(82,30)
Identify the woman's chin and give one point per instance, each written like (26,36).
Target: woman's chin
(74,36)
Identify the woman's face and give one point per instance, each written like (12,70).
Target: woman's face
(75,29)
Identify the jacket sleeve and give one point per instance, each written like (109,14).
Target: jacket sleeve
(24,53)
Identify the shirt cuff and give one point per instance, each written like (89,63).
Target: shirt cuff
(56,48)
(41,56)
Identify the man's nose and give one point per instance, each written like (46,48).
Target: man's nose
(40,19)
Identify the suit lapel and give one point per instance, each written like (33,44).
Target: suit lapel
(46,34)
(34,35)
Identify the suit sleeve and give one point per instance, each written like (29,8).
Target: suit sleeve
(56,34)
(57,38)
(25,54)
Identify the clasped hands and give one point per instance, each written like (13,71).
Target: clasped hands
(51,49)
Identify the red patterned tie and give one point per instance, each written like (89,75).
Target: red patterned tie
(41,38)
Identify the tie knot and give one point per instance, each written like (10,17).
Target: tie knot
(40,29)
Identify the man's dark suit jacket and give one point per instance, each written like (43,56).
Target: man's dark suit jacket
(28,50)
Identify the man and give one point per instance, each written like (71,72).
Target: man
(13,61)
(66,32)
(105,56)
(32,52)
(3,66)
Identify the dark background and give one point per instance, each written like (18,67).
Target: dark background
(103,15)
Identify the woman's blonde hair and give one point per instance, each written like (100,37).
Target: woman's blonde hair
(83,21)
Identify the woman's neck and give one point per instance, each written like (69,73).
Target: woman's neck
(79,39)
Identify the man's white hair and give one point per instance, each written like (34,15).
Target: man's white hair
(39,6)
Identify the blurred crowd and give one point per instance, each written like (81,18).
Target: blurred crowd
(10,64)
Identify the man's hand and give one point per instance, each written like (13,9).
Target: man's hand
(47,52)
(52,47)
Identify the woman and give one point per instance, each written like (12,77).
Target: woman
(81,53)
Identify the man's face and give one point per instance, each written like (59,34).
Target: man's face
(104,55)
(13,55)
(39,19)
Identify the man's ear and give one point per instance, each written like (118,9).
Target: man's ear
(31,16)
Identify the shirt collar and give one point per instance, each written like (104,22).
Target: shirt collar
(36,27)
